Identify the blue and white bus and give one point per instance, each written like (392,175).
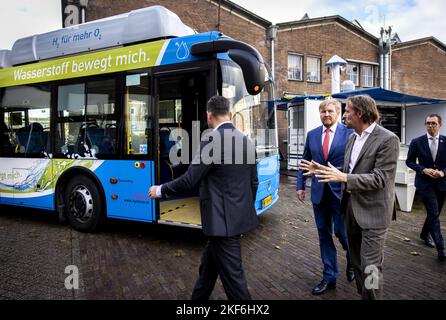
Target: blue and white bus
(86,115)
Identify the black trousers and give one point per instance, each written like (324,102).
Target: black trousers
(222,257)
(433,200)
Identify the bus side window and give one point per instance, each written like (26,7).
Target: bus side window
(138,111)
(27,117)
(87,119)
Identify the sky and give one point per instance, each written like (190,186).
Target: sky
(411,19)
(22,18)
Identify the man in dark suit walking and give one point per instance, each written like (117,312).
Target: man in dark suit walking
(430,181)
(368,178)
(327,144)
(228,187)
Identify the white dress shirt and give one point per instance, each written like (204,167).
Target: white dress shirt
(359,143)
(332,134)
(430,141)
(222,123)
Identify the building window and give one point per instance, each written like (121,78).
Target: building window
(313,69)
(367,76)
(353,73)
(294,67)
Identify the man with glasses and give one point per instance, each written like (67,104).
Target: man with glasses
(430,181)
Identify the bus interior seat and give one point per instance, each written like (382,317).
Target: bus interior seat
(165,143)
(166,167)
(6,145)
(82,140)
(95,137)
(46,139)
(31,138)
(98,137)
(169,171)
(111,131)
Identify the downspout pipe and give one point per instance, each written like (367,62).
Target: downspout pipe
(389,59)
(272,36)
(381,58)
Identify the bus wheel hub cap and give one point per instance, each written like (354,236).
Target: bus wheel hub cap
(81,204)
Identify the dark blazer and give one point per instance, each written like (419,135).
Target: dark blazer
(227,189)
(419,149)
(313,151)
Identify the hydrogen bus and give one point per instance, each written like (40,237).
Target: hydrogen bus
(87,115)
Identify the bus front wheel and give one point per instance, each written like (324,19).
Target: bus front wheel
(83,204)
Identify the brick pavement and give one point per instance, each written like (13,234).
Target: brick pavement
(137,261)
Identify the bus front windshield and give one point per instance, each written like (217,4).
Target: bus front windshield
(253,115)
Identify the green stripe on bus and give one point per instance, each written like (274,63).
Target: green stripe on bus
(115,60)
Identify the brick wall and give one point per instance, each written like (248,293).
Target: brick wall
(420,70)
(322,41)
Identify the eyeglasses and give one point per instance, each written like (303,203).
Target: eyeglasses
(433,124)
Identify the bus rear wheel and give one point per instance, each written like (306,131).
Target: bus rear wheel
(83,205)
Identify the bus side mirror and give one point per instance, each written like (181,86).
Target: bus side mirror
(253,70)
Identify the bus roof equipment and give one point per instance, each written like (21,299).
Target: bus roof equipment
(144,24)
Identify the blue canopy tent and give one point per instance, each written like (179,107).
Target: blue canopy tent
(282,103)
(381,96)
(386,96)
(390,102)
(401,113)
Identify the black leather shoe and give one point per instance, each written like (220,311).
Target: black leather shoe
(428,241)
(324,286)
(350,274)
(442,255)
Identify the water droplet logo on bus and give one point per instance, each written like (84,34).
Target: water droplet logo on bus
(182,51)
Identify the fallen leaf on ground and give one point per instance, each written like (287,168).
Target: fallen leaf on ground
(179,253)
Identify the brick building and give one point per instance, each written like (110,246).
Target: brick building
(419,67)
(302,48)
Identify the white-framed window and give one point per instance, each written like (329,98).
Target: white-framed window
(367,75)
(313,69)
(353,73)
(295,66)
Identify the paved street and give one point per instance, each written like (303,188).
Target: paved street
(138,261)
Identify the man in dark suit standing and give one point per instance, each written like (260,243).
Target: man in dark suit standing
(327,144)
(368,199)
(430,181)
(228,187)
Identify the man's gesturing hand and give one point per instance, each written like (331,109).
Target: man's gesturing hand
(330,174)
